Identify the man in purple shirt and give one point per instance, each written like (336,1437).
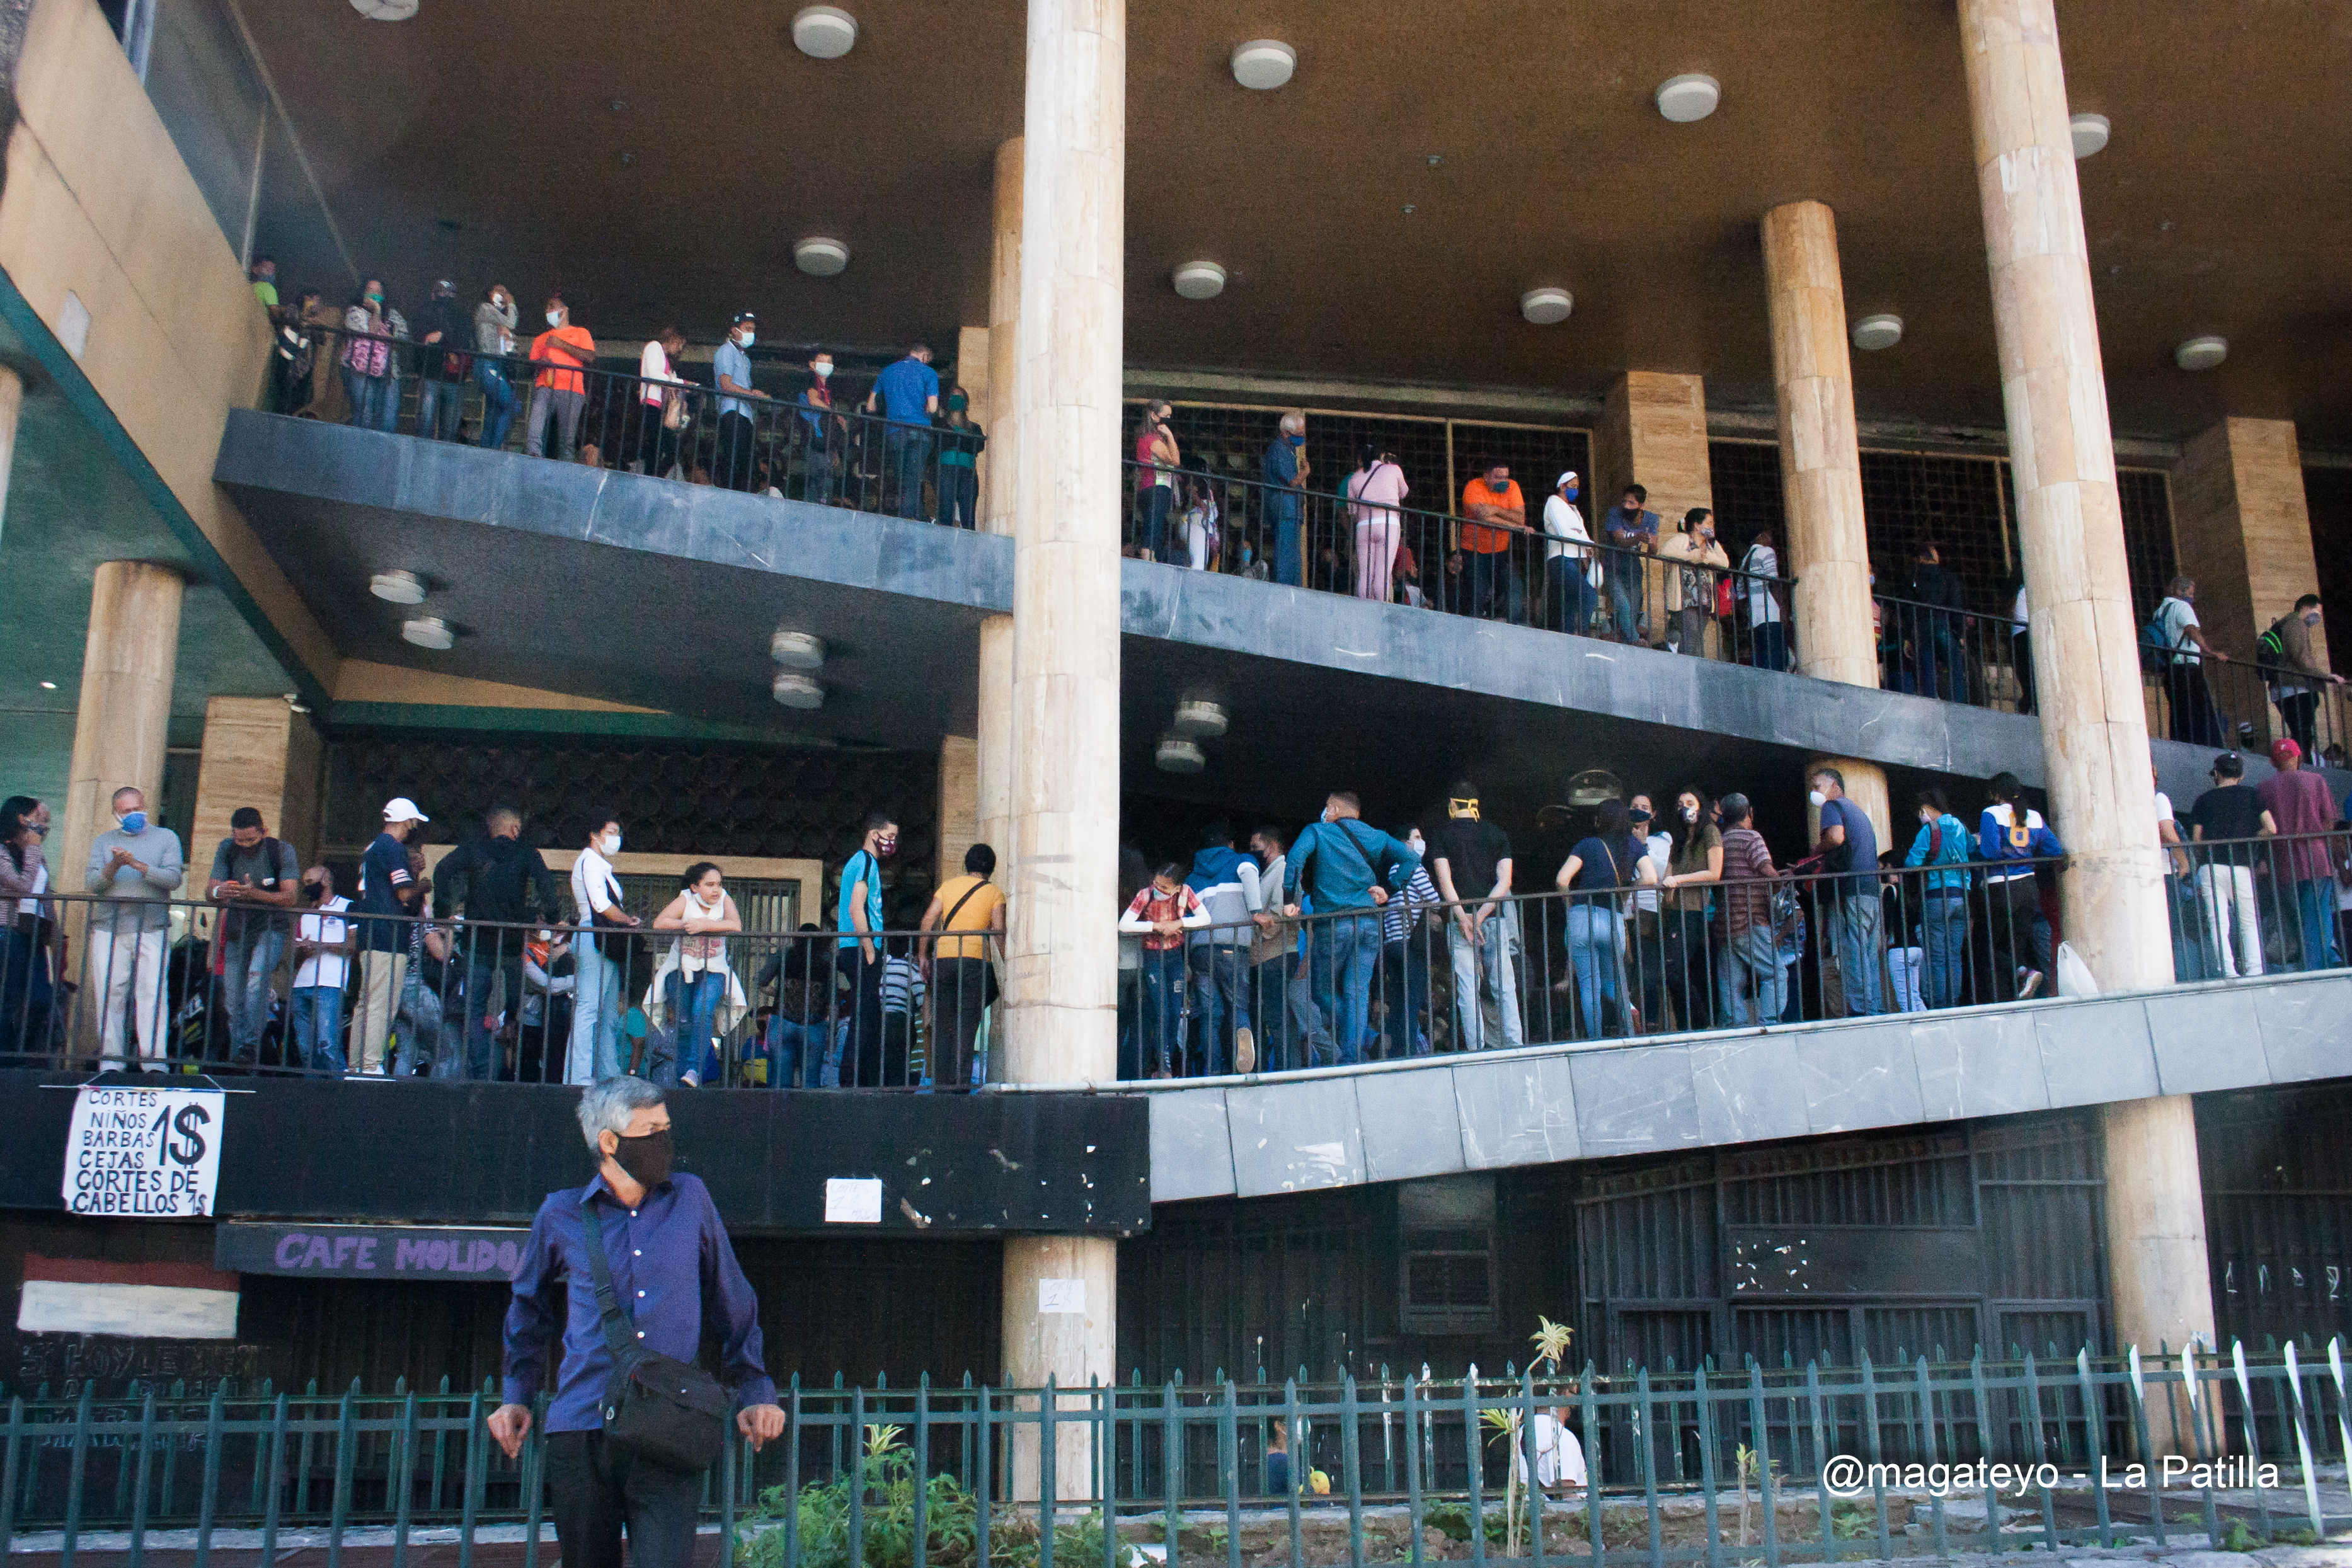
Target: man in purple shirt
(668,1253)
(2302,807)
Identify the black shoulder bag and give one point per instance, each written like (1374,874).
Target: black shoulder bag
(658,1408)
(988,986)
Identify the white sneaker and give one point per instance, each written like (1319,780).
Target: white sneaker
(1244,1050)
(2029,983)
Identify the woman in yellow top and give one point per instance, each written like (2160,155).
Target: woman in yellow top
(962,980)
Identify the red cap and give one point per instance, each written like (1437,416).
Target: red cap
(2285,747)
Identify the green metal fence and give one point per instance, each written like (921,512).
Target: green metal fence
(1789,1465)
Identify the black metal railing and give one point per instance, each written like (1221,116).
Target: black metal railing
(1705,1464)
(1319,539)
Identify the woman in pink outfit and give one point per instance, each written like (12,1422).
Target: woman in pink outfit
(1374,491)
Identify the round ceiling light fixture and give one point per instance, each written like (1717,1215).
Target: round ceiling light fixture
(793,689)
(427,632)
(1200,718)
(397,586)
(1685,98)
(2201,353)
(1873,333)
(1179,754)
(820,256)
(797,650)
(2091,133)
(386,10)
(1264,64)
(1546,307)
(1199,279)
(824,32)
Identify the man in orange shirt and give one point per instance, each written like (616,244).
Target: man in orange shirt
(563,351)
(1494,506)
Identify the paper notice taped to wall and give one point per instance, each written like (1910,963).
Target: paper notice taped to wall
(1061,1296)
(853,1200)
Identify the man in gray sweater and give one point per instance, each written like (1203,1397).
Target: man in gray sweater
(135,866)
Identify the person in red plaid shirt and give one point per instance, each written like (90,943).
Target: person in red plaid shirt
(1161,914)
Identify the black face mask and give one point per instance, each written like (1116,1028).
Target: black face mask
(647,1159)
(314,890)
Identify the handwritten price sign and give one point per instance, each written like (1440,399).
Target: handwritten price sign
(145,1153)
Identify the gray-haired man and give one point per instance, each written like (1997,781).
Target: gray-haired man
(662,1240)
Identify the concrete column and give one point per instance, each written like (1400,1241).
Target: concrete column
(2086,662)
(125,712)
(2242,531)
(992,791)
(1828,549)
(1059,1005)
(1653,433)
(12,402)
(959,802)
(258,752)
(1003,420)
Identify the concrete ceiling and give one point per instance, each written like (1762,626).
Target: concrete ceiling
(481,142)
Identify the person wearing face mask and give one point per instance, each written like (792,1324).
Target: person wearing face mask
(367,357)
(1408,921)
(908,395)
(1850,904)
(1691,578)
(135,866)
(253,876)
(1646,951)
(441,380)
(596,1052)
(1471,863)
(561,391)
(644,1242)
(1285,471)
(323,946)
(1946,846)
(1567,559)
(2297,675)
(28,927)
(960,443)
(661,402)
(1496,510)
(389,890)
(738,429)
(858,918)
(1375,491)
(825,434)
(493,341)
(1156,459)
(1693,867)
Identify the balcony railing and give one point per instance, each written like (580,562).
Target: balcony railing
(172,986)
(1707,1464)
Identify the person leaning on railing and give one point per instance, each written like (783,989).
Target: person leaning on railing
(2226,816)
(1493,509)
(367,360)
(2298,677)
(494,339)
(1943,845)
(1695,559)
(559,393)
(2011,835)
(2302,809)
(1568,564)
(1751,957)
(27,928)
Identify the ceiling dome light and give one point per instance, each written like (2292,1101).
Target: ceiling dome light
(824,32)
(797,650)
(1203,719)
(2090,134)
(793,689)
(1873,333)
(1546,307)
(1200,280)
(386,10)
(427,632)
(1264,64)
(2201,353)
(1178,755)
(819,257)
(397,588)
(1685,99)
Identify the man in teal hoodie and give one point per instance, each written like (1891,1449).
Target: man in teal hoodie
(1342,866)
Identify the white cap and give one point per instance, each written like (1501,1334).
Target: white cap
(401,808)
(1564,480)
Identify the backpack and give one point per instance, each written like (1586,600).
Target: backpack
(2270,647)
(2156,649)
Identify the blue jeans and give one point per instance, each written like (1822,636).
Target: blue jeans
(439,404)
(497,402)
(794,1047)
(492,953)
(2315,902)
(1944,948)
(908,448)
(1345,952)
(1751,965)
(1855,933)
(318,1018)
(1592,954)
(1572,595)
(1289,558)
(2186,920)
(1151,519)
(1623,568)
(1488,581)
(595,1015)
(367,394)
(251,958)
(1404,986)
(694,1016)
(1164,987)
(1219,988)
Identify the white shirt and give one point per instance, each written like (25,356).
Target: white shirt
(1661,854)
(1558,1455)
(2019,614)
(1761,560)
(2173,619)
(594,887)
(1562,521)
(655,367)
(327,969)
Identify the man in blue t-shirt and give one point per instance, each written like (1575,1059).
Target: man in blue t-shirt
(1849,844)
(857,915)
(908,394)
(738,421)
(1342,865)
(387,890)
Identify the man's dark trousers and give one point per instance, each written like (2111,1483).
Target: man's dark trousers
(596,1492)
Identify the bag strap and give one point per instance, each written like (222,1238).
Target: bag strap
(615,1317)
(950,919)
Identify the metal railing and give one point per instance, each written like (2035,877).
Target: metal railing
(1413,979)
(1836,1461)
(1319,539)
(174,985)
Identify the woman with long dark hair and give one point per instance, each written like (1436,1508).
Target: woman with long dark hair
(1600,866)
(1695,865)
(27,930)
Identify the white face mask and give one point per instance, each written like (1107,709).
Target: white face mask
(555,317)
(1818,799)
(1417,843)
(750,338)
(1690,813)
(610,843)
(823,371)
